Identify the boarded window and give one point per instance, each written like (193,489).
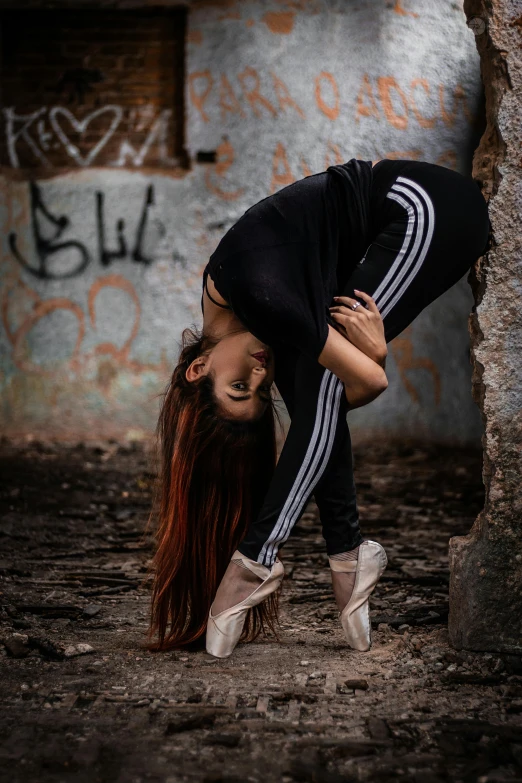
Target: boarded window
(92,88)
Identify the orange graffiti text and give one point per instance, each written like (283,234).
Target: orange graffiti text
(41,308)
(227,99)
(385,85)
(200,83)
(115,281)
(330,109)
(335,153)
(283,96)
(281,22)
(402,348)
(396,104)
(424,122)
(250,83)
(366,104)
(281,172)
(215,179)
(401,11)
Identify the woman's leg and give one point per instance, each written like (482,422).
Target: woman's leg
(334,492)
(317,408)
(336,498)
(437,227)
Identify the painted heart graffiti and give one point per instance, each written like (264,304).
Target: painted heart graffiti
(47,132)
(80,126)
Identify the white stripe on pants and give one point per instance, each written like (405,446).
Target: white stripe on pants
(313,467)
(421,218)
(412,254)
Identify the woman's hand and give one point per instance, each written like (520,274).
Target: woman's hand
(362,327)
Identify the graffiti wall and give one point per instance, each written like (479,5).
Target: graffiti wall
(116,185)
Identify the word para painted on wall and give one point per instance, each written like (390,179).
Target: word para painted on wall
(379,98)
(59,258)
(53,137)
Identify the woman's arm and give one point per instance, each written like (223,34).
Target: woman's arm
(363,379)
(363,327)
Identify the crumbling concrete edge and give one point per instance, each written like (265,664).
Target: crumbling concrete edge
(486,565)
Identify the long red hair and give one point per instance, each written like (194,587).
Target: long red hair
(213,476)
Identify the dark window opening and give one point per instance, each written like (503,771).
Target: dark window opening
(206,157)
(96,87)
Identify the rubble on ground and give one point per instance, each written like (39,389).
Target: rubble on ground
(85,701)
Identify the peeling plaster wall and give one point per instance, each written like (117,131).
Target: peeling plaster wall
(279,90)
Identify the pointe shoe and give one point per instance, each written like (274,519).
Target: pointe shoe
(355,617)
(224,629)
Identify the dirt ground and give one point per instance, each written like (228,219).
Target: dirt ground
(84,702)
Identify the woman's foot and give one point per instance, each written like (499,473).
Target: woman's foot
(343,583)
(237,594)
(367,568)
(237,584)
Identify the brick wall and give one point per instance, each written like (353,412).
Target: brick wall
(92,87)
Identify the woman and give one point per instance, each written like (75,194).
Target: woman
(388,238)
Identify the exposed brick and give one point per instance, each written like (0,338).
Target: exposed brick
(83,61)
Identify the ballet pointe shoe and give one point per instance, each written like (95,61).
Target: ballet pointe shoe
(355,617)
(224,629)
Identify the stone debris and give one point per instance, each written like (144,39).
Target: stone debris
(190,723)
(305,707)
(226,740)
(78,649)
(91,610)
(361,685)
(17,645)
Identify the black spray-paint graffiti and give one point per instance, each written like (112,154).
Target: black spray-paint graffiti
(48,243)
(137,254)
(47,248)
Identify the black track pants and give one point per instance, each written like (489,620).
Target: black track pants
(430,226)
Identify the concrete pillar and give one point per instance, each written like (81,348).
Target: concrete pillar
(486,565)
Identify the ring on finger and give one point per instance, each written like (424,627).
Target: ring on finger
(356,305)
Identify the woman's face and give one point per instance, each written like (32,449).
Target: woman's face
(241,381)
